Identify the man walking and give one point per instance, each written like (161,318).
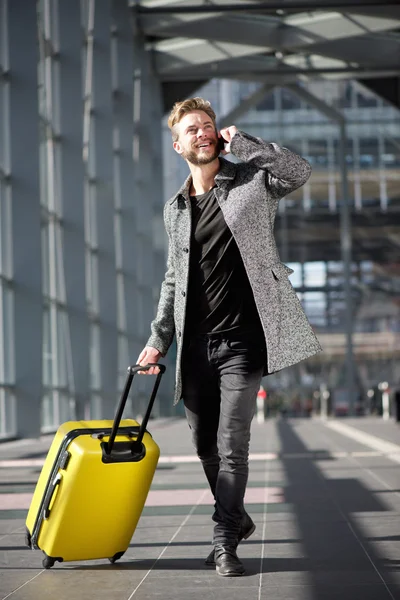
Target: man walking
(227,297)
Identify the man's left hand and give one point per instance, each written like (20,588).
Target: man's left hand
(227,133)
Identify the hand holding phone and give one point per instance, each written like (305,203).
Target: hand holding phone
(226,135)
(221,144)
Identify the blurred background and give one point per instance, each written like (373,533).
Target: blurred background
(86,165)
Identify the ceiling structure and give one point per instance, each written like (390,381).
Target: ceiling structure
(282,43)
(276,42)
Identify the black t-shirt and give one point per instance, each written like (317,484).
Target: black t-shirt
(219,293)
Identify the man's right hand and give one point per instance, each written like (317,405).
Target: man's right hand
(149,355)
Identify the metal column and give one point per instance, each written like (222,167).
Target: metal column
(163,405)
(25,232)
(345,234)
(71,190)
(148,197)
(345,246)
(102,209)
(122,68)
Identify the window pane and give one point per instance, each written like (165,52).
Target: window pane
(314,274)
(7,369)
(7,413)
(95,357)
(47,412)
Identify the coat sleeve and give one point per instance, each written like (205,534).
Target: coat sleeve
(163,326)
(285,170)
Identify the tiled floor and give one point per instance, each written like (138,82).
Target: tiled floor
(327,510)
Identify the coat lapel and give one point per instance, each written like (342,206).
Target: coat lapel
(182,195)
(224,179)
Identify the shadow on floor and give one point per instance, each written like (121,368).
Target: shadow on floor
(331,538)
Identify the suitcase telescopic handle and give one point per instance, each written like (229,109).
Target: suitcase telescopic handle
(118,416)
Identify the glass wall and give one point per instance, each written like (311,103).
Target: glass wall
(58,393)
(96,306)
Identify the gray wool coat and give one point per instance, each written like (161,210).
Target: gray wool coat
(248,194)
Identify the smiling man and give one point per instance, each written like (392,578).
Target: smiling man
(198,141)
(227,297)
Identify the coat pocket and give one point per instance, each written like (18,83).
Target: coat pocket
(281,271)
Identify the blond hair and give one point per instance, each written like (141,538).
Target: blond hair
(180,109)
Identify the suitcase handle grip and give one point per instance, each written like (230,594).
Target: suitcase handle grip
(50,494)
(136,368)
(118,416)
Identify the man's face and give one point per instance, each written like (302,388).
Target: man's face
(197,142)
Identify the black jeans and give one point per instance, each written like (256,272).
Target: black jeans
(221,375)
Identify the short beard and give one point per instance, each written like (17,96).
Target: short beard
(192,157)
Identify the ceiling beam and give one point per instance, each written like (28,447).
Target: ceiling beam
(282,5)
(279,75)
(286,35)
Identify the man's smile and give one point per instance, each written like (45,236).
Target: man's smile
(205,145)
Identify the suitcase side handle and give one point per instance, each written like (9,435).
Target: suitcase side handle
(49,496)
(124,397)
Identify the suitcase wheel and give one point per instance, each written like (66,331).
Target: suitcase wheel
(48,562)
(116,557)
(28,540)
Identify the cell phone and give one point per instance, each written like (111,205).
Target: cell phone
(221,144)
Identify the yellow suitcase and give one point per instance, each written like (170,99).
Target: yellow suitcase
(93,486)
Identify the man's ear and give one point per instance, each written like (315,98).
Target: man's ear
(177,147)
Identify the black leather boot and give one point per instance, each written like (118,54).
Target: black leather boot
(227,562)
(247,528)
